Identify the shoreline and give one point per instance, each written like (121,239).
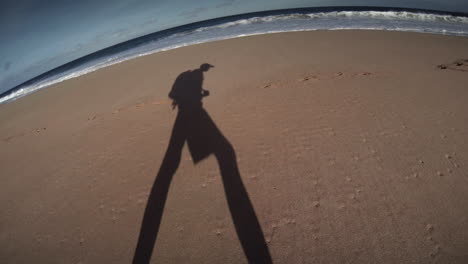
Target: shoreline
(399,15)
(54,82)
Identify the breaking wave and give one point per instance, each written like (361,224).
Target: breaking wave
(247,25)
(390,15)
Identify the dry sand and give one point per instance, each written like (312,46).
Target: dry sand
(352,145)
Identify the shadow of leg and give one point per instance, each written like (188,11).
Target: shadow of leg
(158,195)
(205,139)
(243,215)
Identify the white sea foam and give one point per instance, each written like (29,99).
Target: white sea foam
(390,15)
(337,20)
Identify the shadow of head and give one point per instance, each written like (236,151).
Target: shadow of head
(205,67)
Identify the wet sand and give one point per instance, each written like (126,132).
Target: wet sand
(352,147)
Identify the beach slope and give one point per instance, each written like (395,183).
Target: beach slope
(327,147)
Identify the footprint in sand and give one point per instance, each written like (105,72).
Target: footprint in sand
(308,78)
(429,237)
(363,74)
(335,75)
(141,105)
(316,204)
(457,65)
(277,226)
(338,74)
(32,131)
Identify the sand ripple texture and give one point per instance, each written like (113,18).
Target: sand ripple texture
(347,157)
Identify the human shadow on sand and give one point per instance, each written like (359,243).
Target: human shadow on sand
(194,126)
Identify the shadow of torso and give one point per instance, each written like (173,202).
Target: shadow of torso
(187,90)
(193,124)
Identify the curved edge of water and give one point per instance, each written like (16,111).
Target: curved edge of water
(21,89)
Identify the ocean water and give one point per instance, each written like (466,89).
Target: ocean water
(247,25)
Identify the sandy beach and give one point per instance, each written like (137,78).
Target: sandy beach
(352,147)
